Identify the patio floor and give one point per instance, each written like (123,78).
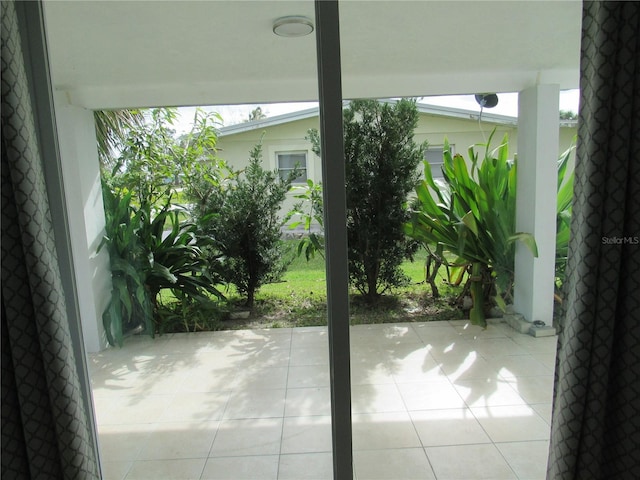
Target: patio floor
(438,400)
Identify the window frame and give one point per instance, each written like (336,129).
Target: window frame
(297,180)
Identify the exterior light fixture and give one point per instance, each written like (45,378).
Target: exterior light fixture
(487,100)
(293,26)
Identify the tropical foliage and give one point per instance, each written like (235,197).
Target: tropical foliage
(563,216)
(112,130)
(173,254)
(471,214)
(152,162)
(150,251)
(130,305)
(309,214)
(151,247)
(231,231)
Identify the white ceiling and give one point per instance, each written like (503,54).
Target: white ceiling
(117,54)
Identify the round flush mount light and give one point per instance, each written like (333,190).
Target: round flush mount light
(293,26)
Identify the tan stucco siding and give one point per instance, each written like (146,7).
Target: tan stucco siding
(461,133)
(285,137)
(288,137)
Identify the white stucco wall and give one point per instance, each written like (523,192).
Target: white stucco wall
(536,202)
(81,177)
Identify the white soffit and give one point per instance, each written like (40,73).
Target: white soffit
(117,54)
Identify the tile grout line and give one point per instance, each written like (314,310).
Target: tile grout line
(284,406)
(466,407)
(506,460)
(215,436)
(173,393)
(415,429)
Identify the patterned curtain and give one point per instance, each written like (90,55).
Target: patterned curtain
(45,432)
(595,431)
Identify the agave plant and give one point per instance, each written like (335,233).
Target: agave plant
(471,214)
(147,257)
(130,305)
(173,256)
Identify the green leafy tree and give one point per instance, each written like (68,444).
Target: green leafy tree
(381,170)
(145,164)
(243,218)
(256,114)
(152,162)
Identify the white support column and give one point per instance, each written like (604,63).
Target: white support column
(81,177)
(538,137)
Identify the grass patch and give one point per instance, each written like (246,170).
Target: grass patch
(300,299)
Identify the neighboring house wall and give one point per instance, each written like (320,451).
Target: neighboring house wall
(287,137)
(290,137)
(567,137)
(464,133)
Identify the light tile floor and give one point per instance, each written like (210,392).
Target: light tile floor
(439,400)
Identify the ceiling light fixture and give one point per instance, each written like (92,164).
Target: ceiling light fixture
(293,26)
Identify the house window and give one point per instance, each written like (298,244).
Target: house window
(288,161)
(434,155)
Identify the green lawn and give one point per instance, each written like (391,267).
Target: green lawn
(300,299)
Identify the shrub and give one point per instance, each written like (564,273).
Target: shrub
(173,256)
(381,170)
(381,161)
(130,305)
(243,218)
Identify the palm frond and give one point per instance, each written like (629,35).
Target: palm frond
(112,128)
